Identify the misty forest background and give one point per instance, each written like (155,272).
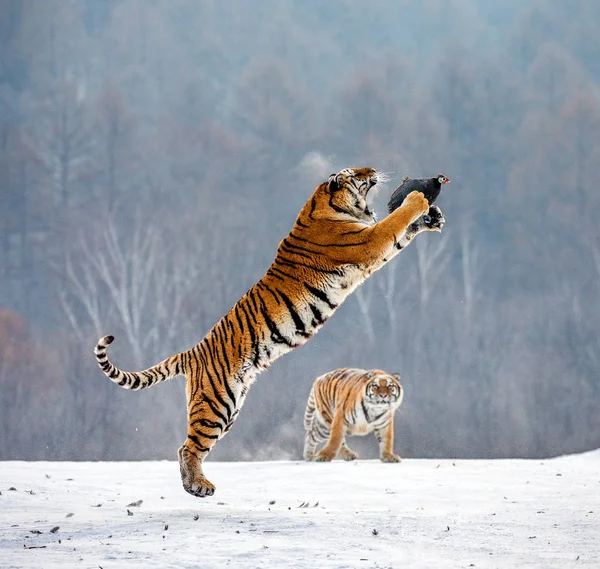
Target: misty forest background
(154,153)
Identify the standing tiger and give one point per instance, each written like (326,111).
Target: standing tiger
(334,245)
(351,401)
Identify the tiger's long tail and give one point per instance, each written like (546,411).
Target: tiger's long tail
(135,380)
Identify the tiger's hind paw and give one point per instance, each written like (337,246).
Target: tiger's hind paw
(390,458)
(347,454)
(201,488)
(193,480)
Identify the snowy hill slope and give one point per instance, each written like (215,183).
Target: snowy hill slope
(420,513)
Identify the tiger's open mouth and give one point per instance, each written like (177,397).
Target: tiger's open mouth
(370,190)
(371,183)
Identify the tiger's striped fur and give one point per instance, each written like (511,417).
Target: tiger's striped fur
(351,401)
(334,245)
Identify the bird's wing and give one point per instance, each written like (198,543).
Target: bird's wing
(410,185)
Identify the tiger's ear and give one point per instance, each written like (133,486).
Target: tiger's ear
(369,375)
(396,376)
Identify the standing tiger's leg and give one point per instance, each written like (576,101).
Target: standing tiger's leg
(346,453)
(205,428)
(310,426)
(317,432)
(310,444)
(385,436)
(336,438)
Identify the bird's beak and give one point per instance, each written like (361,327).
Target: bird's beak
(447,181)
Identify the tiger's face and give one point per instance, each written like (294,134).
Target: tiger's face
(384,390)
(348,189)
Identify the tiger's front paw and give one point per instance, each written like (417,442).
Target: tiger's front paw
(416,203)
(389,457)
(347,454)
(325,456)
(434,219)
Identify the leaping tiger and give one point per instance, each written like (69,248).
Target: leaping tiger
(351,401)
(335,244)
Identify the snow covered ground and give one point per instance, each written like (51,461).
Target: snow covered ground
(419,513)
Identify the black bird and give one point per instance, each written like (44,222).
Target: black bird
(430,187)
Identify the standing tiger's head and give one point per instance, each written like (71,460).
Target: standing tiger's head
(347,191)
(384,389)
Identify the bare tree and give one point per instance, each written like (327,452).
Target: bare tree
(469,265)
(432,260)
(131,281)
(60,137)
(115,155)
(364,297)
